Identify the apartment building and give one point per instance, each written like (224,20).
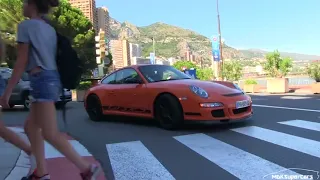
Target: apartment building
(135,50)
(189,56)
(103,21)
(88,8)
(120,50)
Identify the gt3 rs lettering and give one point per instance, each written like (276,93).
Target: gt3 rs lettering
(126,109)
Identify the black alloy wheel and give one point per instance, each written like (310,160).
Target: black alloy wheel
(26,101)
(94,108)
(168,112)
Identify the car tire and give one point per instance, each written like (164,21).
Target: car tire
(26,101)
(168,112)
(60,105)
(94,108)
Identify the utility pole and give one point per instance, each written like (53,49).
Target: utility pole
(153,45)
(220,42)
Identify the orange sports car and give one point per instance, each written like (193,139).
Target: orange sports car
(167,95)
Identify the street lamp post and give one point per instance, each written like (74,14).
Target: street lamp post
(220,40)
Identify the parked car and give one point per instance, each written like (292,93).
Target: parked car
(167,95)
(20,93)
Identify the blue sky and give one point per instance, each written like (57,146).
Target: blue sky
(287,25)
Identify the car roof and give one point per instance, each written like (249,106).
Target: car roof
(133,66)
(141,65)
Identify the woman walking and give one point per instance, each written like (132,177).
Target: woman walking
(5,132)
(37,48)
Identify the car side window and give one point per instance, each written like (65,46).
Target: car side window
(127,76)
(111,79)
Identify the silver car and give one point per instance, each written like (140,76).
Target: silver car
(20,93)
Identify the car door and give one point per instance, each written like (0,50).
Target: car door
(108,96)
(131,92)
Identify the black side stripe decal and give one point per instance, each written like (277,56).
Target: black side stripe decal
(126,109)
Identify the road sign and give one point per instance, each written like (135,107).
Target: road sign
(152,58)
(96,73)
(191,72)
(215,49)
(106,61)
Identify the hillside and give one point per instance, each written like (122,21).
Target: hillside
(172,41)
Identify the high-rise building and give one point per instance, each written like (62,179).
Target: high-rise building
(135,50)
(103,20)
(120,53)
(88,8)
(189,56)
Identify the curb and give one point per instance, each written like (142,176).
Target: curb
(59,167)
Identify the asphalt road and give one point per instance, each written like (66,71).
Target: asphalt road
(277,138)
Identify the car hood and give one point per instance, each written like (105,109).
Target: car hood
(209,86)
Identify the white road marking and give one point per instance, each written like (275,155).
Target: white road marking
(300,144)
(132,161)
(239,163)
(51,152)
(17,129)
(287,108)
(259,99)
(302,124)
(295,97)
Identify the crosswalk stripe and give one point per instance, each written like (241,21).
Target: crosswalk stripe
(132,160)
(300,144)
(302,124)
(239,163)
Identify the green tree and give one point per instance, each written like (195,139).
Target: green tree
(276,66)
(314,71)
(10,16)
(181,64)
(67,20)
(205,74)
(232,70)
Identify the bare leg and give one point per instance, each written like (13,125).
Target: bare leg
(45,116)
(14,138)
(37,142)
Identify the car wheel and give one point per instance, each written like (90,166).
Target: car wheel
(168,112)
(60,105)
(94,108)
(26,101)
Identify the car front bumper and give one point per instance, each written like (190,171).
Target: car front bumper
(68,97)
(226,113)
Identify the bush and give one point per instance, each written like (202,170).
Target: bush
(276,66)
(232,70)
(314,71)
(84,85)
(205,74)
(250,81)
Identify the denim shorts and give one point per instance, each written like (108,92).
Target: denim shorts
(45,86)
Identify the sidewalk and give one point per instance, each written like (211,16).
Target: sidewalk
(15,164)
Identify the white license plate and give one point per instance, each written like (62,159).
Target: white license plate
(242,104)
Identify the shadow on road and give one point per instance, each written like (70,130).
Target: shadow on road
(22,109)
(192,126)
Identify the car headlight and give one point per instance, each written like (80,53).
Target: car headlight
(199,91)
(211,105)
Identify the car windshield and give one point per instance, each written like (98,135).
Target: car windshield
(157,73)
